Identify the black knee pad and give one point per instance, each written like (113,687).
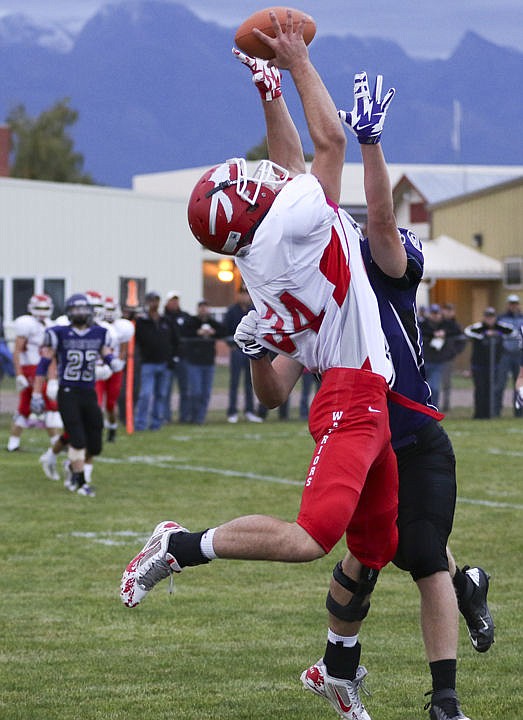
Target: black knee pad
(422,549)
(358,606)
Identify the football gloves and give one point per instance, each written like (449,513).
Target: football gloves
(37,405)
(245,336)
(21,382)
(52,389)
(367,117)
(267,78)
(102,372)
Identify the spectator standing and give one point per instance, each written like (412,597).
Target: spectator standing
(177,365)
(238,362)
(201,332)
(308,382)
(455,344)
(154,340)
(487,346)
(510,352)
(438,345)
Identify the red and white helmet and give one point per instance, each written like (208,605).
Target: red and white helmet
(96,301)
(112,311)
(227,205)
(40,306)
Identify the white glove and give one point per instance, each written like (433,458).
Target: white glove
(52,389)
(102,372)
(267,78)
(245,336)
(117,365)
(518,399)
(37,404)
(21,382)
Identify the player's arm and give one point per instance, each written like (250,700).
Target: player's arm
(115,363)
(366,121)
(273,381)
(47,355)
(19,347)
(325,130)
(283,140)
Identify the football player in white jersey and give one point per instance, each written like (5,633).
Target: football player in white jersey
(300,258)
(29,332)
(108,388)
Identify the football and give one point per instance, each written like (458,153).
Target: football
(248,43)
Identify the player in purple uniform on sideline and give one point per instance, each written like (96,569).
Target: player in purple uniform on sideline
(77,347)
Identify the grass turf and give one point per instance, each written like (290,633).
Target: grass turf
(233,639)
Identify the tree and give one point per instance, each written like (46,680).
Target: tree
(42,148)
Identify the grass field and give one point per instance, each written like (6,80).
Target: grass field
(234,638)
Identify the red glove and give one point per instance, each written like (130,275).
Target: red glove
(267,78)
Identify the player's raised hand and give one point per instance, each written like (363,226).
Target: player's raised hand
(245,336)
(367,117)
(266,77)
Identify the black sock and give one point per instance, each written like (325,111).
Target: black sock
(341,661)
(78,479)
(462,585)
(186,548)
(443,674)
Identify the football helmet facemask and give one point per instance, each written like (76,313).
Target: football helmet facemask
(40,306)
(111,310)
(227,204)
(96,301)
(79,310)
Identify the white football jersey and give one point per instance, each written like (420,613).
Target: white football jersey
(123,331)
(33,330)
(306,278)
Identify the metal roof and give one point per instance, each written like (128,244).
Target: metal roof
(448,258)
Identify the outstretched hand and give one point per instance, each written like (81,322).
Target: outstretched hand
(367,117)
(266,77)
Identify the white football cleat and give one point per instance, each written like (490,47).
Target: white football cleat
(343,695)
(152,564)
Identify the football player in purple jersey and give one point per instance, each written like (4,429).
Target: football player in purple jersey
(77,346)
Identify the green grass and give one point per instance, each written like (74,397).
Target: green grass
(232,640)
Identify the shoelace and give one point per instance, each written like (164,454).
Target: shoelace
(159,570)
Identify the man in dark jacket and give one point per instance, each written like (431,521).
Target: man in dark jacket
(177,365)
(438,346)
(487,345)
(155,341)
(201,332)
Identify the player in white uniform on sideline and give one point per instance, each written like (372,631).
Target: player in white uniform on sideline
(29,336)
(301,262)
(108,388)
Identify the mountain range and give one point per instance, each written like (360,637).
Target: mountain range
(157,89)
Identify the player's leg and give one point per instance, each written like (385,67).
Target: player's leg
(472,585)
(426,511)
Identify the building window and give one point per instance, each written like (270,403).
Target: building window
(513,272)
(418,213)
(55,287)
(22,289)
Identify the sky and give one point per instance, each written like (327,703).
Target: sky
(423,29)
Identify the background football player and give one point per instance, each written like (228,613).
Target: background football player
(29,331)
(77,347)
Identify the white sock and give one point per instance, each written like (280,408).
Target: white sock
(88,472)
(13,443)
(206,544)
(348,641)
